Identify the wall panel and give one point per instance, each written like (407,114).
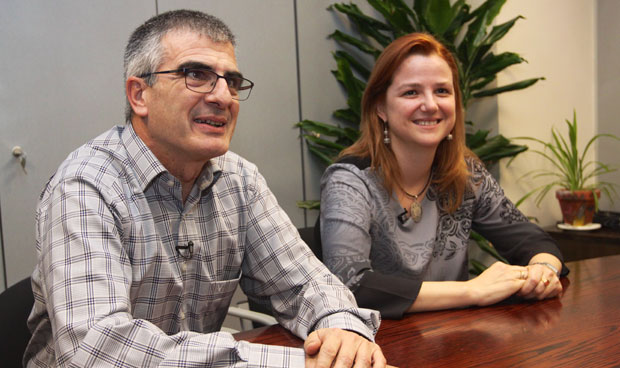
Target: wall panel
(61,84)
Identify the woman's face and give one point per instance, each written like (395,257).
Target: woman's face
(420,104)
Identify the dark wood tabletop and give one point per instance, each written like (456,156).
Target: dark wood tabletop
(579,329)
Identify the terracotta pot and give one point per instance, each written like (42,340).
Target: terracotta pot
(577,206)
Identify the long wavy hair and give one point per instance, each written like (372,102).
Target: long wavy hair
(450,170)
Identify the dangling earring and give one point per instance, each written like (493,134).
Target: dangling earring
(449,137)
(386,134)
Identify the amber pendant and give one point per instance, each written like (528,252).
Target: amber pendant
(415,211)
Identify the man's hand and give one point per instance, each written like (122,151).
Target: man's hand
(333,347)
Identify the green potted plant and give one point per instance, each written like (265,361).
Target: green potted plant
(575,176)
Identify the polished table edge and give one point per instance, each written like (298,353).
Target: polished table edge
(277,335)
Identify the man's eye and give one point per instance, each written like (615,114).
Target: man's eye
(233,82)
(197,74)
(443,91)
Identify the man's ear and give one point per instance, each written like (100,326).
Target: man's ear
(135,88)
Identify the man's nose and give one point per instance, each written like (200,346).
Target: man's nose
(221,94)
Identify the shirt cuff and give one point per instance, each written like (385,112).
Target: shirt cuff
(353,322)
(265,356)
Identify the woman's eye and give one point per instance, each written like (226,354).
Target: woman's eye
(443,91)
(410,93)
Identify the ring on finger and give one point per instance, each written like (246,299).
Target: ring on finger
(544,281)
(523,275)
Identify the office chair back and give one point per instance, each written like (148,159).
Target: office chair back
(15,305)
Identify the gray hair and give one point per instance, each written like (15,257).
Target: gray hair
(144,52)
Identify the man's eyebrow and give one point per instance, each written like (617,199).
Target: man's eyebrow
(199,65)
(195,65)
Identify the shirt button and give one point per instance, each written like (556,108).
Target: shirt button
(170,183)
(204,185)
(182,315)
(183,266)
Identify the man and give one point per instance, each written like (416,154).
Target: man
(144,232)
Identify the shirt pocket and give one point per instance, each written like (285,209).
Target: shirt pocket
(214,298)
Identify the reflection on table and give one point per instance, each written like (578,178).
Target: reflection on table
(579,329)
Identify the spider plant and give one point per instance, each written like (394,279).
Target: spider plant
(570,169)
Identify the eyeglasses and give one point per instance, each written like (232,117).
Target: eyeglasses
(204,81)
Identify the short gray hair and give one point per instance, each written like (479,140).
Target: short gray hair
(144,53)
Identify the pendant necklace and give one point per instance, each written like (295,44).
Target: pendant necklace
(415,211)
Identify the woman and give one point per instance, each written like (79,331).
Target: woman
(398,207)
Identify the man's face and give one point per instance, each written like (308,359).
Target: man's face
(185,127)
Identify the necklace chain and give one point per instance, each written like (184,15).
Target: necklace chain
(415,210)
(415,196)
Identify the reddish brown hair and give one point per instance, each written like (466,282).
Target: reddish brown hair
(450,173)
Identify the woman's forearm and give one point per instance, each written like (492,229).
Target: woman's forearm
(437,295)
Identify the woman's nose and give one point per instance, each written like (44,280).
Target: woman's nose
(429,104)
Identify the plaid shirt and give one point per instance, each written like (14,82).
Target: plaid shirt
(111,289)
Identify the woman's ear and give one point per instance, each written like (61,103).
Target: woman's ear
(135,88)
(381,111)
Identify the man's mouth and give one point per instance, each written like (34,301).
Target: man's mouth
(213,123)
(426,122)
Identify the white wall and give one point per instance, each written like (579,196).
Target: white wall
(558,40)
(608,89)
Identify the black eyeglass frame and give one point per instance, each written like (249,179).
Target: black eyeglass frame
(185,71)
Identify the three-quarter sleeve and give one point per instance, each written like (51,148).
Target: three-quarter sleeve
(497,219)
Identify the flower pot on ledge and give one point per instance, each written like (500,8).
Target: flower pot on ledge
(577,206)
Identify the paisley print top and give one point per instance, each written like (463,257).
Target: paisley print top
(384,257)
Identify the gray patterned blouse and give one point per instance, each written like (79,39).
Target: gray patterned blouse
(384,257)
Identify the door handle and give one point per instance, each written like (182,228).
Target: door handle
(19,153)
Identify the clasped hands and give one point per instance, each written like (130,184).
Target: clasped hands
(333,347)
(500,280)
(541,282)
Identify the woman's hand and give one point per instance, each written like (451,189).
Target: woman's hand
(497,283)
(542,282)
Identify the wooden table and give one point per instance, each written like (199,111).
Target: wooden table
(579,329)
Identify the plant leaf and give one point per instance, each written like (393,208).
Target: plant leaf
(510,87)
(321,155)
(345,39)
(492,64)
(312,204)
(323,142)
(321,128)
(486,246)
(396,13)
(353,62)
(439,16)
